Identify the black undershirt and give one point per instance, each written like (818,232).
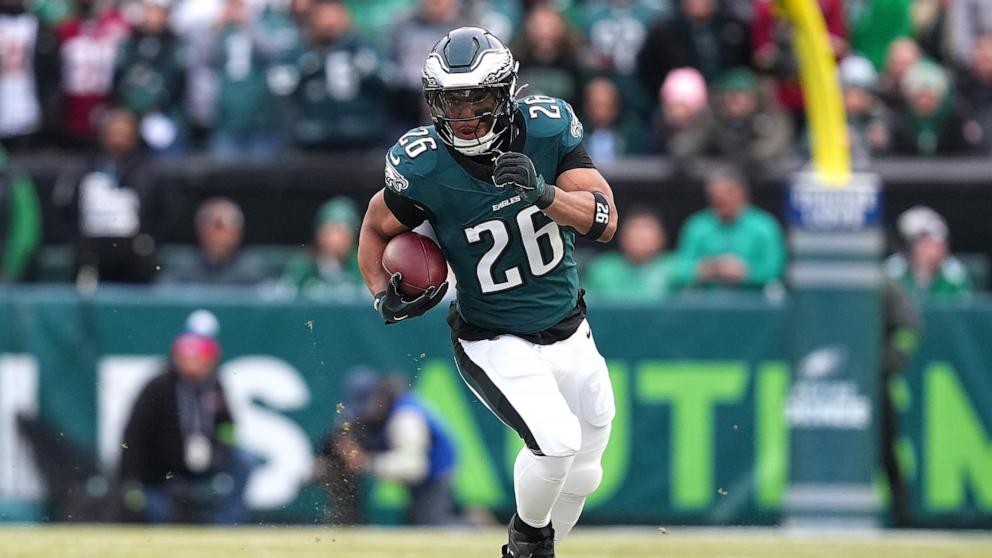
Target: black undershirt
(406,211)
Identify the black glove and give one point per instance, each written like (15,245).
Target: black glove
(516,170)
(394,307)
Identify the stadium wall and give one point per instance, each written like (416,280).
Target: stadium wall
(702,389)
(279,201)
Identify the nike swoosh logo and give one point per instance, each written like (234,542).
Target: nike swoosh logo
(400,319)
(394,159)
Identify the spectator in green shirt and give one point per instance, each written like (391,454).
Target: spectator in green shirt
(642,269)
(330,268)
(926,269)
(730,244)
(20,221)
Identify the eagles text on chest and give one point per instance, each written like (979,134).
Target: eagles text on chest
(505,203)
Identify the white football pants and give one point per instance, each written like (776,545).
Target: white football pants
(558,398)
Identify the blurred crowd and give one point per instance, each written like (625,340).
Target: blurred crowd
(253,78)
(732,245)
(122,83)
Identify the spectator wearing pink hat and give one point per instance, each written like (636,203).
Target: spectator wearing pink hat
(682,121)
(179,461)
(746,128)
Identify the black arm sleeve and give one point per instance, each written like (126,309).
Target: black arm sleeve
(406,211)
(577,158)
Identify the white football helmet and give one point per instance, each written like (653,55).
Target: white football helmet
(471,76)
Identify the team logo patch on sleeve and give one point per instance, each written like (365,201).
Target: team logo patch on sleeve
(394,180)
(576,128)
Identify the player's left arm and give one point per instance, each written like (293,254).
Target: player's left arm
(579,198)
(578,203)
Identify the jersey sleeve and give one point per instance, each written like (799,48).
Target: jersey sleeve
(401,187)
(572,153)
(571,135)
(553,125)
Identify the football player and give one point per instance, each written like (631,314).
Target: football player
(507,186)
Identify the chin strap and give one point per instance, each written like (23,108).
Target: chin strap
(478,146)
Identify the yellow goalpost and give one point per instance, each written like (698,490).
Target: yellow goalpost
(818,77)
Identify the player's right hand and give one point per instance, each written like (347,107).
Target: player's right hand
(394,307)
(516,170)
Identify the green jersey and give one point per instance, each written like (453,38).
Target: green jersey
(949,281)
(513,264)
(754,237)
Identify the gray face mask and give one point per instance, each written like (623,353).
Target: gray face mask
(487,107)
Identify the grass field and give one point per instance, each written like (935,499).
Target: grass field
(124,542)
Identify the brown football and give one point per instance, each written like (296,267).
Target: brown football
(418,259)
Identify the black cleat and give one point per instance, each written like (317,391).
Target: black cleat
(523,545)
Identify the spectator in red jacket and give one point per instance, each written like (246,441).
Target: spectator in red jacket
(89,42)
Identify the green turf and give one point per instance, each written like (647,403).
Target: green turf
(124,542)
